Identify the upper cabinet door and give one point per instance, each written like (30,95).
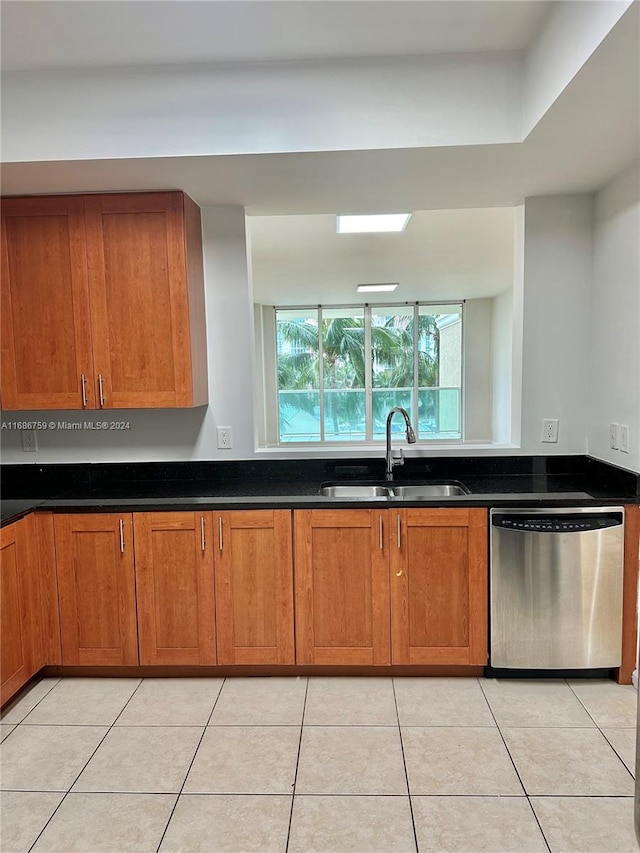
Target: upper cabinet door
(147,300)
(46,332)
(439,586)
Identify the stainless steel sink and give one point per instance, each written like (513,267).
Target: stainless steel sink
(354,490)
(429,490)
(404,492)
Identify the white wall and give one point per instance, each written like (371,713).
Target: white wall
(614,323)
(458,99)
(477,369)
(557,287)
(501,342)
(568,37)
(555,370)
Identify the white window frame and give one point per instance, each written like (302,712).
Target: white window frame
(369,439)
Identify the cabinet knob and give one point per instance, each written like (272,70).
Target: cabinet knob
(399,574)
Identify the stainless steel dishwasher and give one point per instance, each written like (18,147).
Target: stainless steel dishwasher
(556,588)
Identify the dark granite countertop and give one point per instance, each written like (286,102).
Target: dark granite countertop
(494,481)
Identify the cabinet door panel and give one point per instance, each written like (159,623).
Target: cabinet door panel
(174,576)
(254,587)
(342,587)
(96,589)
(139,303)
(45,305)
(439,587)
(17,625)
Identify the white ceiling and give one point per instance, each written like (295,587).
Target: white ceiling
(589,134)
(442,254)
(54,34)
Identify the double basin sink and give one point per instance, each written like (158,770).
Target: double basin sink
(412,492)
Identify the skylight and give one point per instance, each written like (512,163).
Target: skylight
(371,223)
(376,288)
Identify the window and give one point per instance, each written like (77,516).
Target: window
(340,370)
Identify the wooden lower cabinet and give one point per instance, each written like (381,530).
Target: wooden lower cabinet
(342,587)
(254,587)
(96,589)
(439,586)
(29,600)
(405,586)
(19,650)
(174,583)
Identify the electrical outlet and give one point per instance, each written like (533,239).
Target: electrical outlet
(624,438)
(614,436)
(29,440)
(550,430)
(224,438)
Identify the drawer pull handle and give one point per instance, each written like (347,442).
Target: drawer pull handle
(83,380)
(121,536)
(202,532)
(101,390)
(380,527)
(220,530)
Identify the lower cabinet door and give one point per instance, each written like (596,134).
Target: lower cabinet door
(174,582)
(254,587)
(439,586)
(96,589)
(18,625)
(342,587)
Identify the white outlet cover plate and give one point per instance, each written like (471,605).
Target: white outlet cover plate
(624,438)
(614,436)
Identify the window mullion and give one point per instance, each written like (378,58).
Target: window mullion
(416,363)
(321,372)
(368,393)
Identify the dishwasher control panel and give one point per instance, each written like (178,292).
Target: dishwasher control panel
(556,524)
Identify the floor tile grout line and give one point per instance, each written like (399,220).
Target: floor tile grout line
(295,776)
(597,725)
(616,752)
(102,740)
(193,758)
(404,764)
(526,793)
(19,723)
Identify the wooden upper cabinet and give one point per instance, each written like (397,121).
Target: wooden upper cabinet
(147,300)
(342,587)
(46,332)
(96,589)
(439,586)
(103,302)
(254,587)
(174,583)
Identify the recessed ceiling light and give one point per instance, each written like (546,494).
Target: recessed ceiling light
(371,223)
(375,288)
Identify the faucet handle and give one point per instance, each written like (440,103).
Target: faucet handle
(397,457)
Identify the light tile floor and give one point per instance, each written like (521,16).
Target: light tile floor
(333,765)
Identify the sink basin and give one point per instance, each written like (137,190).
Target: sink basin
(393,490)
(429,490)
(355,490)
